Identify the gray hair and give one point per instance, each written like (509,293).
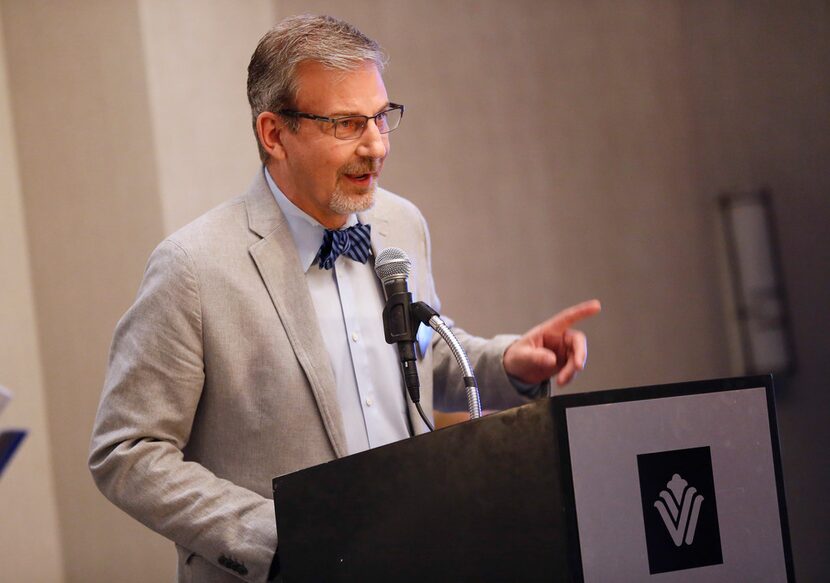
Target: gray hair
(272,72)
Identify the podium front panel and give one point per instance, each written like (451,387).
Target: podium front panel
(478,501)
(679,483)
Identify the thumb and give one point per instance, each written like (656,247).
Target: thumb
(542,360)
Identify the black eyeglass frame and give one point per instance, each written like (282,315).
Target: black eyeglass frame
(335,120)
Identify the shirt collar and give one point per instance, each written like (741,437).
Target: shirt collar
(306,231)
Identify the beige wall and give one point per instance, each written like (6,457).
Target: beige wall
(87,170)
(30,548)
(196,74)
(578,143)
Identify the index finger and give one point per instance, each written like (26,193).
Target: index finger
(569,316)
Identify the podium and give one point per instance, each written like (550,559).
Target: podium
(678,482)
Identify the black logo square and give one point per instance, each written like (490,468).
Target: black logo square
(679,509)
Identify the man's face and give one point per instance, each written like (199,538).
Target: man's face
(327,177)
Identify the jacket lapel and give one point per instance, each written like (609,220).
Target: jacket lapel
(276,258)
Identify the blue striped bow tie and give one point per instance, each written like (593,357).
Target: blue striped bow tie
(354,242)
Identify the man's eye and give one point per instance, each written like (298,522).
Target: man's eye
(348,123)
(380,119)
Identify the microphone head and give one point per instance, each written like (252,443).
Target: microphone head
(392,263)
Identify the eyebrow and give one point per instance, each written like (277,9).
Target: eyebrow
(351,113)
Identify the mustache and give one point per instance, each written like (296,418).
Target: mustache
(364,166)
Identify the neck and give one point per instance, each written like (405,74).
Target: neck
(333,223)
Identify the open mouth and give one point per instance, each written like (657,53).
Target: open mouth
(360,178)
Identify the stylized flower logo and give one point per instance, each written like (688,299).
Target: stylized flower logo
(679,507)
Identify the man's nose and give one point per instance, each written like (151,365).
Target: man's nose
(373,144)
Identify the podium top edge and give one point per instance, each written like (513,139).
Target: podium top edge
(661,390)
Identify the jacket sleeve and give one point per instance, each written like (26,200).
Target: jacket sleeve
(151,394)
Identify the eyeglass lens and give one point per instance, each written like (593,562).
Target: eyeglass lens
(351,127)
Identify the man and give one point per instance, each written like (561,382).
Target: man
(253,350)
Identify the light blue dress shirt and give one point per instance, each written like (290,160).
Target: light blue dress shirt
(348,300)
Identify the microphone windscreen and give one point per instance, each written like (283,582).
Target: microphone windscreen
(392,263)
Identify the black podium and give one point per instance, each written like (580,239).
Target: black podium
(677,482)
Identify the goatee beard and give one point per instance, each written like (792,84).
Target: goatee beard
(345,203)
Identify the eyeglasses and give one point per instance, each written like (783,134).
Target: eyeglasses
(351,127)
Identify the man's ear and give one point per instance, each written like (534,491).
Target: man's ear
(269,127)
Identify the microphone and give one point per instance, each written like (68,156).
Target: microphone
(392,266)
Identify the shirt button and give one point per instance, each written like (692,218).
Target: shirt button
(369,401)
(354,336)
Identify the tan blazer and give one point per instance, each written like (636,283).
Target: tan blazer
(219,380)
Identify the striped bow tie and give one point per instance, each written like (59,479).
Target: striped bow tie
(354,242)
